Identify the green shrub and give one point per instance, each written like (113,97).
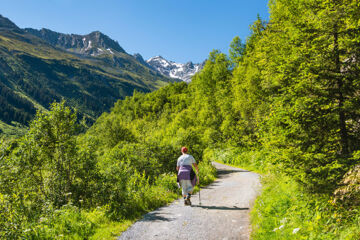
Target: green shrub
(207,173)
(12,219)
(285,211)
(68,222)
(240,157)
(168,182)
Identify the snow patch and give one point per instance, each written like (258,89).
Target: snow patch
(110,50)
(173,69)
(88,47)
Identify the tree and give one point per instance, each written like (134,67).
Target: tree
(309,77)
(236,51)
(52,165)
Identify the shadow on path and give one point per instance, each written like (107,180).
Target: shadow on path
(154,216)
(221,172)
(220,207)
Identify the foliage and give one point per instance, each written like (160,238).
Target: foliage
(68,222)
(349,192)
(285,211)
(285,104)
(237,50)
(305,97)
(65,175)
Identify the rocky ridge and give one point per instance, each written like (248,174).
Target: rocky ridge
(5,23)
(173,69)
(93,44)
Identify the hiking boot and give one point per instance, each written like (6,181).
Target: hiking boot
(188,199)
(188,196)
(186,202)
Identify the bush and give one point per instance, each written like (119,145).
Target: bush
(240,157)
(12,219)
(168,182)
(285,211)
(207,173)
(68,222)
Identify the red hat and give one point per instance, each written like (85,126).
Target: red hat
(184,149)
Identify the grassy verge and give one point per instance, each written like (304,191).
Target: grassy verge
(111,230)
(71,222)
(249,160)
(285,211)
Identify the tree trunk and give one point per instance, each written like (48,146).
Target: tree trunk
(344,146)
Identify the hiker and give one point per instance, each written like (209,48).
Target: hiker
(186,174)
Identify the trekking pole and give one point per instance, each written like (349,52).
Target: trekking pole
(199,193)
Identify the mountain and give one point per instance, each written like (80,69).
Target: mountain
(5,23)
(173,69)
(93,44)
(90,72)
(138,57)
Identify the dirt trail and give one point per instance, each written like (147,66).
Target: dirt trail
(222,214)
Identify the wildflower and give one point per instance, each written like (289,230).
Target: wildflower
(295,230)
(275,229)
(283,221)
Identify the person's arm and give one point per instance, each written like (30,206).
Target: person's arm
(196,167)
(197,172)
(177,165)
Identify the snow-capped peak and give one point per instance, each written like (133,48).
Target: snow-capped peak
(173,69)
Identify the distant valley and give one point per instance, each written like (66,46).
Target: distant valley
(90,72)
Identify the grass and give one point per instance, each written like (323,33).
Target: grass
(111,230)
(284,210)
(107,229)
(235,157)
(8,131)
(70,222)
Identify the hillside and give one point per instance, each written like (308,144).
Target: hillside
(36,72)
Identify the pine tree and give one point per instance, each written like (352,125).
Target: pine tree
(311,73)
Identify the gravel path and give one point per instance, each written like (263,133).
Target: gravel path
(222,214)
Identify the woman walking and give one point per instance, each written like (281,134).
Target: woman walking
(186,175)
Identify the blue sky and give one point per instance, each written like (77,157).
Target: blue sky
(180,31)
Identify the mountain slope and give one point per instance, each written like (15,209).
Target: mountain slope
(36,70)
(5,23)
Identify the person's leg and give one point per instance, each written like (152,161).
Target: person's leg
(189,189)
(184,187)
